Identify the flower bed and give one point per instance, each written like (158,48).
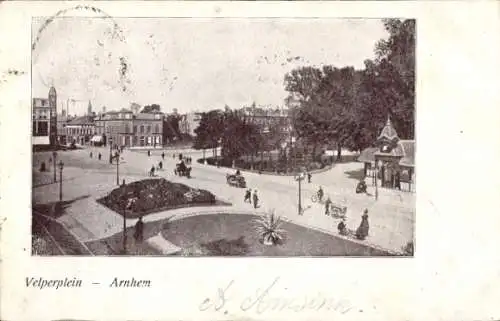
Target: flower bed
(154,195)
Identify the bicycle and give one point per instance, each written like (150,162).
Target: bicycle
(315,198)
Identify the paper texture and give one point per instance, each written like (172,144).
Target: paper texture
(455,271)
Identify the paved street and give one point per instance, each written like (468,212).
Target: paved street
(391,216)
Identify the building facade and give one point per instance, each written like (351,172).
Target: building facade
(189,122)
(391,161)
(79,130)
(128,129)
(44,120)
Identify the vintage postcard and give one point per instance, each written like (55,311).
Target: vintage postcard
(212,138)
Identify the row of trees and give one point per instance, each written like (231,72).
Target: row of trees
(330,104)
(349,106)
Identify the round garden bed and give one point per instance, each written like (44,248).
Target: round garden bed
(153,195)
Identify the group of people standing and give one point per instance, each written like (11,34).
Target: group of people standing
(252,197)
(361,232)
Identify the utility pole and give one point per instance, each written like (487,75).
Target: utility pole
(117,158)
(54,156)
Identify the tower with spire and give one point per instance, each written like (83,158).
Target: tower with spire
(89,109)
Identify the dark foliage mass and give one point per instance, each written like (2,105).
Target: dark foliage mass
(350,106)
(331,105)
(152,195)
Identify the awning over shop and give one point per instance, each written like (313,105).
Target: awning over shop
(97,139)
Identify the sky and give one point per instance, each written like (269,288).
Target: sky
(187,63)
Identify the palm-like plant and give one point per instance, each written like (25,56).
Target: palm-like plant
(269,229)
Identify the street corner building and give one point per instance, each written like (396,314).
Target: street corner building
(390,160)
(44,120)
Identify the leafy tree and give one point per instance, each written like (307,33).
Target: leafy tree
(209,130)
(151,108)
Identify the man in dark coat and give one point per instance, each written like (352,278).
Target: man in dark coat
(163,155)
(255,199)
(139,230)
(248,195)
(328,203)
(99,156)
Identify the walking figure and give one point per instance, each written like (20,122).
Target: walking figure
(248,195)
(328,203)
(163,155)
(255,199)
(99,156)
(152,171)
(149,153)
(173,155)
(320,194)
(309,176)
(139,230)
(160,165)
(90,154)
(362,231)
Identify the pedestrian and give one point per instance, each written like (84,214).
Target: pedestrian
(163,155)
(255,199)
(362,231)
(152,170)
(99,156)
(320,194)
(342,228)
(309,176)
(139,230)
(248,195)
(160,165)
(173,155)
(149,153)
(90,154)
(328,204)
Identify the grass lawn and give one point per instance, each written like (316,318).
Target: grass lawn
(232,234)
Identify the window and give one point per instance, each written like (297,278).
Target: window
(135,129)
(127,116)
(42,129)
(127,128)
(142,129)
(149,129)
(157,129)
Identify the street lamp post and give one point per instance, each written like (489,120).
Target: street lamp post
(61,166)
(117,158)
(54,156)
(376,182)
(299,178)
(128,205)
(110,154)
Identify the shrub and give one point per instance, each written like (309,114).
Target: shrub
(268,229)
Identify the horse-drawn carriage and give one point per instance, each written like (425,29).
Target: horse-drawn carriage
(236,180)
(182,170)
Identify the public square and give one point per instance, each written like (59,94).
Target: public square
(87,179)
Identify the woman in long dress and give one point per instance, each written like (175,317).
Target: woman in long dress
(362,231)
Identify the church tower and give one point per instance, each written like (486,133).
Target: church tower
(89,109)
(53,116)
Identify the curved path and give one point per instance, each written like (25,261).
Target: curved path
(391,217)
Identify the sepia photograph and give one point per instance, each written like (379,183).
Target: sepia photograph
(249,137)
